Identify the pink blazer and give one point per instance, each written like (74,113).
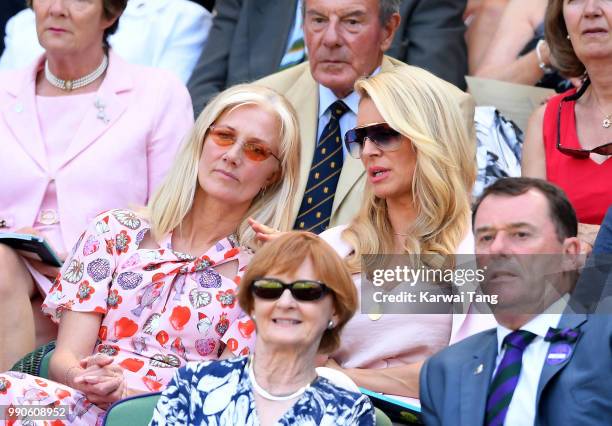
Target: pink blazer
(116,159)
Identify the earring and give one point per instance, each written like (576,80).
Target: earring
(567,36)
(262,192)
(330,325)
(253,317)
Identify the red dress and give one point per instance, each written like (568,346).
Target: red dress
(587,184)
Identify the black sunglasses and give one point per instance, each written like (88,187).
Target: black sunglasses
(581,154)
(380,134)
(303,290)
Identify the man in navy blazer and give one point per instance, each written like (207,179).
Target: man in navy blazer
(565,367)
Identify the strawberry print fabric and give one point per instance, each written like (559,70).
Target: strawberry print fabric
(161,308)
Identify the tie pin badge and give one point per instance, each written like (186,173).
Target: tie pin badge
(558,353)
(479,369)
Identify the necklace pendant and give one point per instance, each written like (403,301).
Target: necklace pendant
(606,123)
(68,85)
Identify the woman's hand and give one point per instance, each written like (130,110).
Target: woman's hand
(587,233)
(262,232)
(400,380)
(101,381)
(43,268)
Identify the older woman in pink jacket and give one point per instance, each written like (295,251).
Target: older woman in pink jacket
(82,131)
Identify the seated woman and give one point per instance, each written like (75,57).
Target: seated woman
(300,296)
(82,132)
(421,166)
(568,140)
(518,52)
(148,292)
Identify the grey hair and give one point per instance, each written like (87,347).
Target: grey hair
(386,9)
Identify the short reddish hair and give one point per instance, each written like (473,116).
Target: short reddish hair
(285,255)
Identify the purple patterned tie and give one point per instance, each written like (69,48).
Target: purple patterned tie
(502,387)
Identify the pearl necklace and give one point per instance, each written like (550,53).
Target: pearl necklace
(267,395)
(69,85)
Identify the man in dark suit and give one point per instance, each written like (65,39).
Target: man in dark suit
(539,366)
(249,39)
(603,242)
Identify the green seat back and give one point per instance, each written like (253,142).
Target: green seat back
(134,411)
(381,418)
(32,362)
(44,365)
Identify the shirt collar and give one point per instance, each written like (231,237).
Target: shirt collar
(538,325)
(327,97)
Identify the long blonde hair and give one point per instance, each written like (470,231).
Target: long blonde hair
(273,207)
(416,104)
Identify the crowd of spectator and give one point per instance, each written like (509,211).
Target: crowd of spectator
(218,178)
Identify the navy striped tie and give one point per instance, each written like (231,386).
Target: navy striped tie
(316,207)
(506,377)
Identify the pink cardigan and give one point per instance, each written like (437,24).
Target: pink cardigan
(115,160)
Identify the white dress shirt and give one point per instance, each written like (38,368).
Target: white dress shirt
(347,121)
(523,404)
(168,34)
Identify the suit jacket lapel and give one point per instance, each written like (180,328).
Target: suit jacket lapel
(105,111)
(21,117)
(475,379)
(304,96)
(549,371)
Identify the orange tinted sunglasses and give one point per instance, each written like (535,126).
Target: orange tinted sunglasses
(254,151)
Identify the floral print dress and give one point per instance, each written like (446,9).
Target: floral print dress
(161,309)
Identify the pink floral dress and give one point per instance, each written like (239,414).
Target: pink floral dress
(160,308)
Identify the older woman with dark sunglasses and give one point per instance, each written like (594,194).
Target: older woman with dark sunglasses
(569,140)
(300,295)
(142,293)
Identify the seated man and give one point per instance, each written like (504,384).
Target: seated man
(603,242)
(345,41)
(565,357)
(254,38)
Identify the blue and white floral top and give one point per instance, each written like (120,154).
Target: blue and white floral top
(219,393)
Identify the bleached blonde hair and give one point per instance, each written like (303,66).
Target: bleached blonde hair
(273,206)
(417,105)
